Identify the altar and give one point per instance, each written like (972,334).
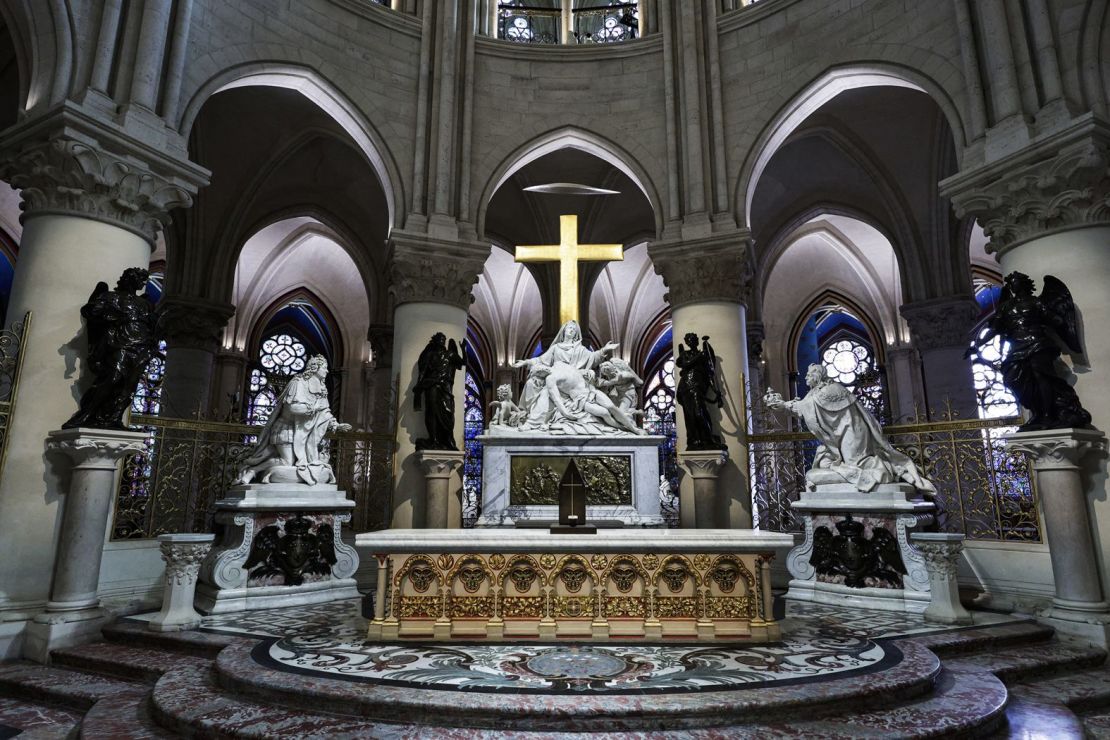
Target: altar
(620,584)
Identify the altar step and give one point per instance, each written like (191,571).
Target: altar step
(1011,680)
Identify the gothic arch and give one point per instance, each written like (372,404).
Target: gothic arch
(825,297)
(786,114)
(326,96)
(569,137)
(334,331)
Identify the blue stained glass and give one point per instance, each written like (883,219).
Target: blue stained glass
(473,424)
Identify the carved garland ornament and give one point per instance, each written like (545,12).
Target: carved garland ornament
(183,560)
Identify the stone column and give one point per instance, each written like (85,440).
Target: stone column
(903,373)
(708,282)
(229,396)
(379,381)
(194,328)
(941,553)
(431,284)
(183,555)
(1046,213)
(91,210)
(941,332)
(701,510)
(756,364)
(440,469)
(73,613)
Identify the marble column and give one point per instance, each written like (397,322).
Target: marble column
(701,510)
(941,331)
(431,284)
(708,282)
(194,329)
(91,210)
(941,553)
(1046,212)
(183,555)
(73,612)
(440,469)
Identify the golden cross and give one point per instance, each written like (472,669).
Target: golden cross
(568,253)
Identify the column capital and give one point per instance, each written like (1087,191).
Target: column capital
(195,323)
(703,464)
(713,269)
(1056,184)
(439,463)
(939,323)
(380,337)
(96,448)
(183,555)
(940,551)
(1056,449)
(67,163)
(425,269)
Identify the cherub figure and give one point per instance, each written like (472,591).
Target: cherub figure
(503,411)
(621,383)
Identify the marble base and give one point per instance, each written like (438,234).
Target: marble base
(498,451)
(896,507)
(50,632)
(225,586)
(1077,626)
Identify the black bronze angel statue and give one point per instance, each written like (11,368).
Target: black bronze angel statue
(697,388)
(1035,328)
(434,392)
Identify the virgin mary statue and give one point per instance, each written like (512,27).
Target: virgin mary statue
(561,395)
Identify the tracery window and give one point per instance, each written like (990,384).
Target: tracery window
(659,418)
(851,363)
(148,394)
(534,22)
(567,21)
(993,399)
(279,357)
(474,421)
(606,23)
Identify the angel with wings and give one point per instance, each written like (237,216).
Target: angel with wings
(1035,328)
(434,392)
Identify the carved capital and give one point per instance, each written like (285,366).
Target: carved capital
(195,323)
(1056,449)
(380,337)
(1055,185)
(703,464)
(183,555)
(941,322)
(69,165)
(940,552)
(422,269)
(439,463)
(95,449)
(709,270)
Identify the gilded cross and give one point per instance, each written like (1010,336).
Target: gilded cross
(568,253)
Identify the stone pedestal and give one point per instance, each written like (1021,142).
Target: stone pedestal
(1079,607)
(183,555)
(897,508)
(237,576)
(640,507)
(439,468)
(704,467)
(941,552)
(73,613)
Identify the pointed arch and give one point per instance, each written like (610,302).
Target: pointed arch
(825,297)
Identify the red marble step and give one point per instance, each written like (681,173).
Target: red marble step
(1016,664)
(38,720)
(122,661)
(70,689)
(188,642)
(123,717)
(991,637)
(1080,691)
(239,675)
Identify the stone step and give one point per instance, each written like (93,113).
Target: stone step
(1034,719)
(1021,663)
(1080,691)
(36,720)
(123,717)
(979,639)
(51,684)
(188,642)
(122,661)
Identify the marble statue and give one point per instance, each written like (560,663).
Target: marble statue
(621,383)
(697,388)
(503,412)
(562,395)
(123,338)
(1035,327)
(853,449)
(434,391)
(288,447)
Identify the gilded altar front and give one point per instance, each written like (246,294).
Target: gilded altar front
(573,592)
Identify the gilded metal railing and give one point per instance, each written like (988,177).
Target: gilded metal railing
(11,365)
(983,491)
(188,465)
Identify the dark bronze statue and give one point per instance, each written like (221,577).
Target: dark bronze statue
(697,388)
(1035,327)
(434,392)
(123,337)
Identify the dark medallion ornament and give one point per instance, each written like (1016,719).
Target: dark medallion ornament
(697,388)
(1035,328)
(298,553)
(434,392)
(123,338)
(854,556)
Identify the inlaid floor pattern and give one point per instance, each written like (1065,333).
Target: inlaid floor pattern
(306,673)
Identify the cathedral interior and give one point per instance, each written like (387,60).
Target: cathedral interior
(753,274)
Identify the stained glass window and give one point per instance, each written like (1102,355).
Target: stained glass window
(606,22)
(473,424)
(533,22)
(148,394)
(279,357)
(659,418)
(994,399)
(852,363)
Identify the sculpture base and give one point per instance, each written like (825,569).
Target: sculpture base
(227,586)
(897,508)
(507,457)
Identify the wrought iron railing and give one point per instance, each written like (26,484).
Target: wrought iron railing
(983,490)
(11,363)
(188,465)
